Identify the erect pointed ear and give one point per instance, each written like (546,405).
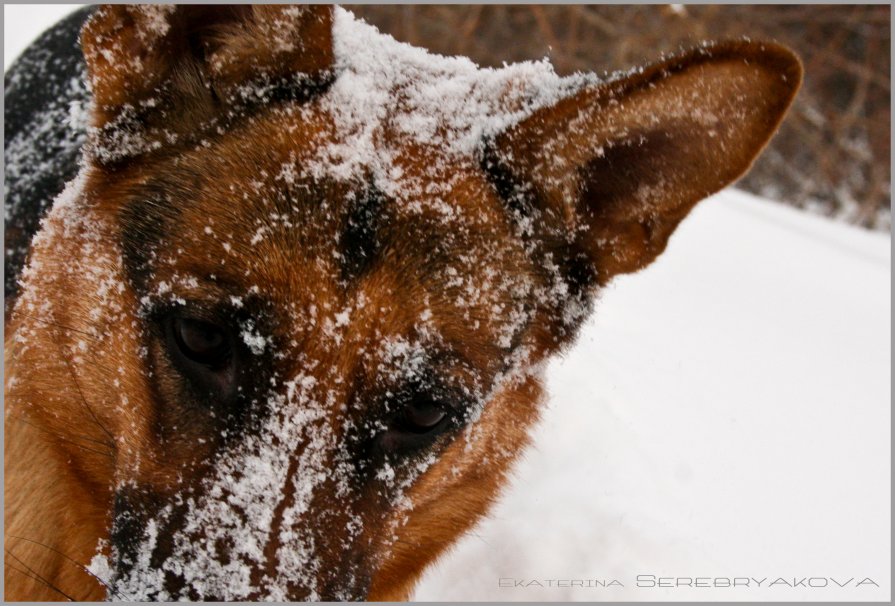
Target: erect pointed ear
(179,65)
(615,167)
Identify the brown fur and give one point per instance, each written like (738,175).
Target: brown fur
(609,173)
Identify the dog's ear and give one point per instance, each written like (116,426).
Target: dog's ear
(610,171)
(190,60)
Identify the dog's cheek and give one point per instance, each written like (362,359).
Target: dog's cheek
(74,286)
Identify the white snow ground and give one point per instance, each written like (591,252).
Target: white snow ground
(23,23)
(724,414)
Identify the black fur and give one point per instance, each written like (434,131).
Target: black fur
(43,90)
(360,238)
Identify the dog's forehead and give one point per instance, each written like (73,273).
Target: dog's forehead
(287,194)
(369,196)
(295,179)
(265,209)
(391,148)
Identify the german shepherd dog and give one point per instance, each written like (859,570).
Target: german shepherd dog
(280,335)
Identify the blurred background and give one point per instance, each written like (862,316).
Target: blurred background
(832,155)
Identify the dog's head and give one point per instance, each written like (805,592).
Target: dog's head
(304,283)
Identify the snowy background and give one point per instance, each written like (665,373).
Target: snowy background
(725,413)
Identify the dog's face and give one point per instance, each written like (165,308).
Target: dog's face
(310,338)
(319,343)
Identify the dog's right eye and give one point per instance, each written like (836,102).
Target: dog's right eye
(205,353)
(202,342)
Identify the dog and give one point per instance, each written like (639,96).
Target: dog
(280,335)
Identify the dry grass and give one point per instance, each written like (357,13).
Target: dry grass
(832,154)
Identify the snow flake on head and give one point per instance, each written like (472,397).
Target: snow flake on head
(251,529)
(425,99)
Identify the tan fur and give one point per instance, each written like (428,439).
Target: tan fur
(613,169)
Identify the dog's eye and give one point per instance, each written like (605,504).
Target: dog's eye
(202,342)
(206,354)
(422,416)
(415,425)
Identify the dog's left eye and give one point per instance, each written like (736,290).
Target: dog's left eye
(422,416)
(415,425)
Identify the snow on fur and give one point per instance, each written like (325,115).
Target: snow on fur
(444,102)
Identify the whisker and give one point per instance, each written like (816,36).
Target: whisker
(76,563)
(57,325)
(32,577)
(60,437)
(74,378)
(36,576)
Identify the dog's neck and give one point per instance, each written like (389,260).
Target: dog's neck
(53,520)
